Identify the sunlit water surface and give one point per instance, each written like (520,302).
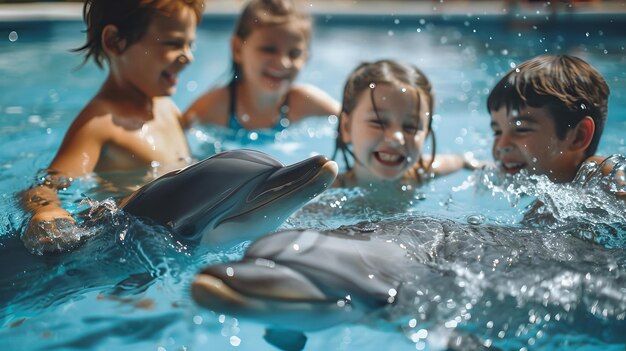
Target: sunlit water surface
(502,275)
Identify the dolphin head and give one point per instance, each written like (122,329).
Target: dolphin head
(232,196)
(304,280)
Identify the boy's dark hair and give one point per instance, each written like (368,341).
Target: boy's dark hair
(370,74)
(131,17)
(567,86)
(264,13)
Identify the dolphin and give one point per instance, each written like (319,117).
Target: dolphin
(332,277)
(232,196)
(308,280)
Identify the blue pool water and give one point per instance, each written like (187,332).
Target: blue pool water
(128,287)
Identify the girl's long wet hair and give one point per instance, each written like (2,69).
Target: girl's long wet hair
(367,76)
(263,13)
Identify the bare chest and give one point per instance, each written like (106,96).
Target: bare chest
(159,143)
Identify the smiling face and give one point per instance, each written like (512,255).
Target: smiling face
(271,56)
(528,140)
(387,145)
(152,64)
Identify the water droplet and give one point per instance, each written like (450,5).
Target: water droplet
(235,340)
(254,136)
(34,119)
(13,36)
(192,85)
(475,219)
(422,333)
(372,85)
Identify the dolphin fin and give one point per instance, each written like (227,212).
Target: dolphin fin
(285,339)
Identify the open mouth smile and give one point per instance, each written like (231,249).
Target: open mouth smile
(389,159)
(512,167)
(170,78)
(276,76)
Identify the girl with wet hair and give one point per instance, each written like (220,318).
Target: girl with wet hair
(270,46)
(386,116)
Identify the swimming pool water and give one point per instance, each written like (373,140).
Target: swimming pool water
(128,287)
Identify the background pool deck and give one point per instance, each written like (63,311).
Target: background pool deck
(73,11)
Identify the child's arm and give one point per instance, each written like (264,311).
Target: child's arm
(77,156)
(446,164)
(308,100)
(42,201)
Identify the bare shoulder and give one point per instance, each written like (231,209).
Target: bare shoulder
(95,119)
(307,100)
(81,146)
(166,107)
(212,107)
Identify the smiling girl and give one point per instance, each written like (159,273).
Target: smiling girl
(269,48)
(385,118)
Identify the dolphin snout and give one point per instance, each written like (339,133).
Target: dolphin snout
(302,170)
(247,287)
(316,169)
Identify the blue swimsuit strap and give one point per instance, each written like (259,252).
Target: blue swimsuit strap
(233,121)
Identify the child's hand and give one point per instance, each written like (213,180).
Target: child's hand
(50,231)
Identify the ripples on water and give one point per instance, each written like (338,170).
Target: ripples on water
(477,275)
(479,278)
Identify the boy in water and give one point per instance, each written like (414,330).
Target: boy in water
(547,116)
(131,123)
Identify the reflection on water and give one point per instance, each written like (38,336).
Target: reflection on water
(556,280)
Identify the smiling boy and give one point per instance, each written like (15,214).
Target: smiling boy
(547,116)
(131,123)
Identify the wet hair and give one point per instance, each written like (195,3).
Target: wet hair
(265,13)
(567,86)
(370,74)
(131,17)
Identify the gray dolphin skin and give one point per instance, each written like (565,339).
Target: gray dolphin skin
(330,277)
(232,196)
(308,280)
